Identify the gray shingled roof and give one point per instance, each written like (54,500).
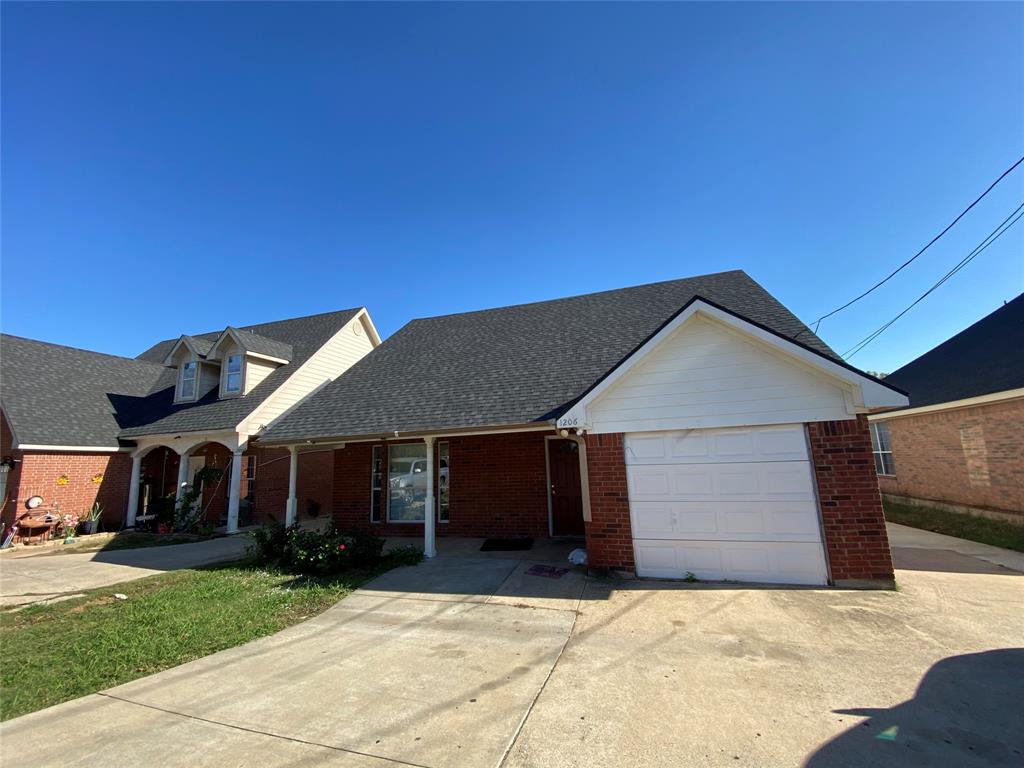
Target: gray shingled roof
(263,345)
(302,336)
(54,395)
(987,357)
(514,365)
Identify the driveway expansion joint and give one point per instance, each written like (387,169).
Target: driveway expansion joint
(393,761)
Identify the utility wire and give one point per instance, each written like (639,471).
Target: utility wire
(912,258)
(992,237)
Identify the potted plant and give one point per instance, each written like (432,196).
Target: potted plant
(91,521)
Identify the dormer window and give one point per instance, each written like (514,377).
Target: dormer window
(233,375)
(187,385)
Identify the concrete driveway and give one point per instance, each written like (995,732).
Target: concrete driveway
(480,662)
(32,576)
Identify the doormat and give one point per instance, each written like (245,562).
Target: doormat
(547,571)
(506,545)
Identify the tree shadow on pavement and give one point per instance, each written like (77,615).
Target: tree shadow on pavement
(967,711)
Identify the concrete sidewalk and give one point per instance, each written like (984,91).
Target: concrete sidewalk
(27,577)
(902,537)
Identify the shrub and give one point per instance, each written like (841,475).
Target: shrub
(319,552)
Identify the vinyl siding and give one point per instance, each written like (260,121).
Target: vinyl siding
(342,351)
(708,375)
(255,372)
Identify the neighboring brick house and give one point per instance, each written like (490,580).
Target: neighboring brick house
(80,427)
(960,444)
(689,426)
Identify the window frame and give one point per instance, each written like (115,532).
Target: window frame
(378,484)
(885,462)
(228,373)
(444,460)
(181,397)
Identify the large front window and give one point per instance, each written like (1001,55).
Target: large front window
(882,449)
(407,483)
(233,377)
(187,390)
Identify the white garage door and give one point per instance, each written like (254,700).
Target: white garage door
(725,504)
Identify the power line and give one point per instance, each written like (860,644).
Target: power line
(929,245)
(992,237)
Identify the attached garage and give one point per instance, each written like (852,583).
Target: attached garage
(735,504)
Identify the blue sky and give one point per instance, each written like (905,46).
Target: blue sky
(172,168)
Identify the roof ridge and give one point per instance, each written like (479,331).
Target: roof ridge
(267,322)
(80,349)
(585,295)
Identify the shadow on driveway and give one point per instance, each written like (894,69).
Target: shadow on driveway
(966,711)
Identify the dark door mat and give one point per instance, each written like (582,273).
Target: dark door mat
(547,571)
(506,545)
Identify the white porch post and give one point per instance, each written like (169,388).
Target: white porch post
(183,477)
(133,491)
(233,494)
(293,475)
(429,519)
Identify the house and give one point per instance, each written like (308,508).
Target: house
(80,426)
(691,426)
(959,444)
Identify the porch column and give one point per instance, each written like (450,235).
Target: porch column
(293,475)
(429,518)
(233,494)
(183,478)
(133,491)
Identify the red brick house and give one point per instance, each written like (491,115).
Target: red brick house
(77,427)
(959,445)
(689,426)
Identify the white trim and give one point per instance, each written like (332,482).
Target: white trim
(183,339)
(866,391)
(340,441)
(967,402)
(76,448)
(268,358)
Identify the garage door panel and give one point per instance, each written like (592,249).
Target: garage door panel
(770,562)
(712,520)
(696,446)
(734,504)
(783,481)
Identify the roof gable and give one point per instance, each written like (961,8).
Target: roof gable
(984,358)
(254,344)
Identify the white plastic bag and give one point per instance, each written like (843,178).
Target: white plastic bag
(578,557)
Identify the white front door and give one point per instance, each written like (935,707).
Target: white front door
(736,504)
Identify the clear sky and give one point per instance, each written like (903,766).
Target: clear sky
(173,168)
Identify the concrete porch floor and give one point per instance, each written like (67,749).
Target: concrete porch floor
(550,551)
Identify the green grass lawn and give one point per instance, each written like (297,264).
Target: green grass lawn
(53,653)
(980,529)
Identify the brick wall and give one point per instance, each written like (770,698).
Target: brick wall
(609,534)
(497,486)
(969,456)
(851,506)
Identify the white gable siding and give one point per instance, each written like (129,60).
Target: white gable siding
(708,375)
(335,357)
(255,372)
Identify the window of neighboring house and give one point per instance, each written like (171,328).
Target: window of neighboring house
(443,463)
(233,376)
(376,483)
(187,386)
(407,483)
(882,448)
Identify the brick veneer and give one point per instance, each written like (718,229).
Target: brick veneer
(609,534)
(497,487)
(851,506)
(968,456)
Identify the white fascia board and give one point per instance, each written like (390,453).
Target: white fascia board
(867,393)
(364,315)
(341,441)
(226,333)
(268,358)
(967,402)
(169,358)
(72,448)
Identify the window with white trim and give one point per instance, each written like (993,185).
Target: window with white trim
(443,462)
(233,374)
(376,483)
(407,482)
(881,447)
(187,384)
